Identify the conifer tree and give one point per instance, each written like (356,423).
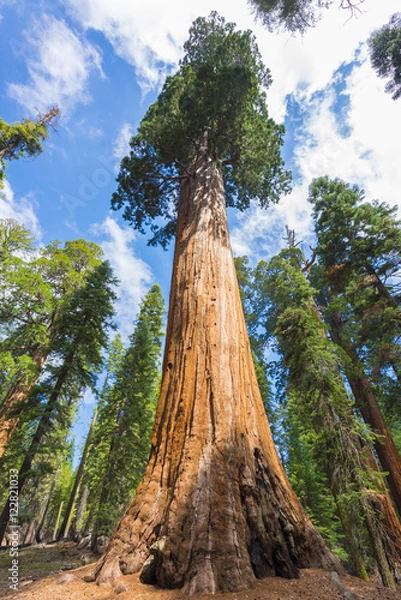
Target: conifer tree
(33,290)
(24,138)
(358,250)
(296,15)
(80,338)
(99,447)
(321,402)
(132,401)
(385,54)
(214,508)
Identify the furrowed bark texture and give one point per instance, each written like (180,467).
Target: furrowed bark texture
(214,508)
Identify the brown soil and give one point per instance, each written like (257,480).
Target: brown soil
(47,573)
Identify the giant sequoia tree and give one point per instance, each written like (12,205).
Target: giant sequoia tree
(214,508)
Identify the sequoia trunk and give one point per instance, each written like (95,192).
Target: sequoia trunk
(18,396)
(214,508)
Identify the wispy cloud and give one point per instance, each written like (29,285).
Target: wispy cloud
(150,36)
(121,145)
(59,67)
(135,276)
(21,209)
(366,154)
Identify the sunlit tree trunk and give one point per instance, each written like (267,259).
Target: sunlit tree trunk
(214,508)
(18,395)
(65,526)
(43,428)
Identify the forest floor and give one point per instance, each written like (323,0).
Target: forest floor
(55,571)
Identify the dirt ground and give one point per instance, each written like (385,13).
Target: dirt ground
(50,573)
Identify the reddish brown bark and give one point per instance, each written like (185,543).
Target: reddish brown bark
(18,394)
(214,508)
(385,447)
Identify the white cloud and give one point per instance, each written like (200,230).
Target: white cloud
(22,210)
(368,156)
(134,274)
(121,146)
(88,399)
(59,66)
(150,36)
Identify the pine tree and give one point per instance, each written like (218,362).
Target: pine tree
(321,402)
(24,138)
(214,507)
(100,445)
(132,401)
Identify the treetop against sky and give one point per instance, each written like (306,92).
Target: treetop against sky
(104,64)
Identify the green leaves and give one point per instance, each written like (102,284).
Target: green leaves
(24,138)
(126,412)
(215,102)
(385,54)
(293,15)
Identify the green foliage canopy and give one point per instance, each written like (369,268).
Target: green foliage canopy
(217,98)
(295,15)
(385,54)
(23,138)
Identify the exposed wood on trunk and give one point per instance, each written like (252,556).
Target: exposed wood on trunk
(214,508)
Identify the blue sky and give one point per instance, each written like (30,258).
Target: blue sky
(104,62)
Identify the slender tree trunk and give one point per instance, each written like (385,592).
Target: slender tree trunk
(41,508)
(385,447)
(19,393)
(214,508)
(42,429)
(106,482)
(58,520)
(42,519)
(64,530)
(81,508)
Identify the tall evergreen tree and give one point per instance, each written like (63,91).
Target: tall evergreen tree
(33,291)
(358,250)
(322,404)
(132,402)
(77,355)
(214,507)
